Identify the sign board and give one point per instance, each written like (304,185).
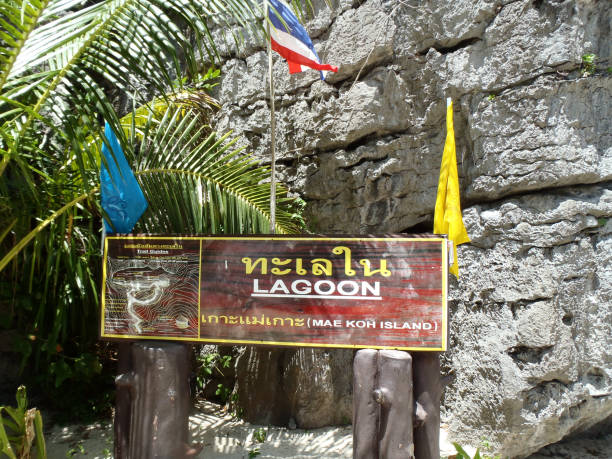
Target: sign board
(352,292)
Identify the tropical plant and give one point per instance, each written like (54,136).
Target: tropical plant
(221,189)
(64,66)
(57,62)
(589,64)
(209,365)
(260,435)
(463,454)
(21,429)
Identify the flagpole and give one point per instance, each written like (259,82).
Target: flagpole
(272,128)
(450,243)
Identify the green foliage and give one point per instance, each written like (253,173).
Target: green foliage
(59,65)
(76,449)
(462,454)
(82,368)
(21,429)
(208,364)
(52,294)
(221,189)
(589,62)
(491,97)
(223,393)
(225,361)
(237,410)
(260,435)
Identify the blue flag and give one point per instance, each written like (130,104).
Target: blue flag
(122,199)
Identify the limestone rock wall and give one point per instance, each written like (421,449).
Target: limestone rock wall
(531,314)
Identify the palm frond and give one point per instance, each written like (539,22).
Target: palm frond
(17,248)
(56,73)
(193,179)
(17,21)
(59,49)
(198,182)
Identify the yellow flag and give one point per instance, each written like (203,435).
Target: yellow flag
(447,217)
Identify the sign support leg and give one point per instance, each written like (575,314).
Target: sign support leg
(382,405)
(427,393)
(122,403)
(158,388)
(365,408)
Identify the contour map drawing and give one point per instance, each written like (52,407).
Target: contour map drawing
(152,296)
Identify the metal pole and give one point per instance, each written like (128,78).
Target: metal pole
(272,127)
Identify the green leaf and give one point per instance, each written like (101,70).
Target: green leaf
(5,446)
(14,421)
(461,453)
(61,370)
(221,189)
(22,399)
(40,437)
(87,365)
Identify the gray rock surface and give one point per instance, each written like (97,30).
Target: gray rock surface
(295,387)
(531,334)
(592,444)
(531,319)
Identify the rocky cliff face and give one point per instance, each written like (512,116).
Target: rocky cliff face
(531,314)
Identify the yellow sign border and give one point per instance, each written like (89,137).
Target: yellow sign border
(443,248)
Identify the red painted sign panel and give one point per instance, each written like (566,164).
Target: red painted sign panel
(354,292)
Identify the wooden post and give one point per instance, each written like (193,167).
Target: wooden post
(122,403)
(427,393)
(158,387)
(382,405)
(365,408)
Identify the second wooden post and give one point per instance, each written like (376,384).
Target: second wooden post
(382,405)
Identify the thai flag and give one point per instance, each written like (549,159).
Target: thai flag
(290,40)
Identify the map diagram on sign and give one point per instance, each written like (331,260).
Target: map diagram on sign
(152,296)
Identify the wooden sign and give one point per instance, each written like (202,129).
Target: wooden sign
(353,292)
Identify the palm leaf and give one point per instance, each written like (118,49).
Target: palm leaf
(16,24)
(198,182)
(59,59)
(59,51)
(194,182)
